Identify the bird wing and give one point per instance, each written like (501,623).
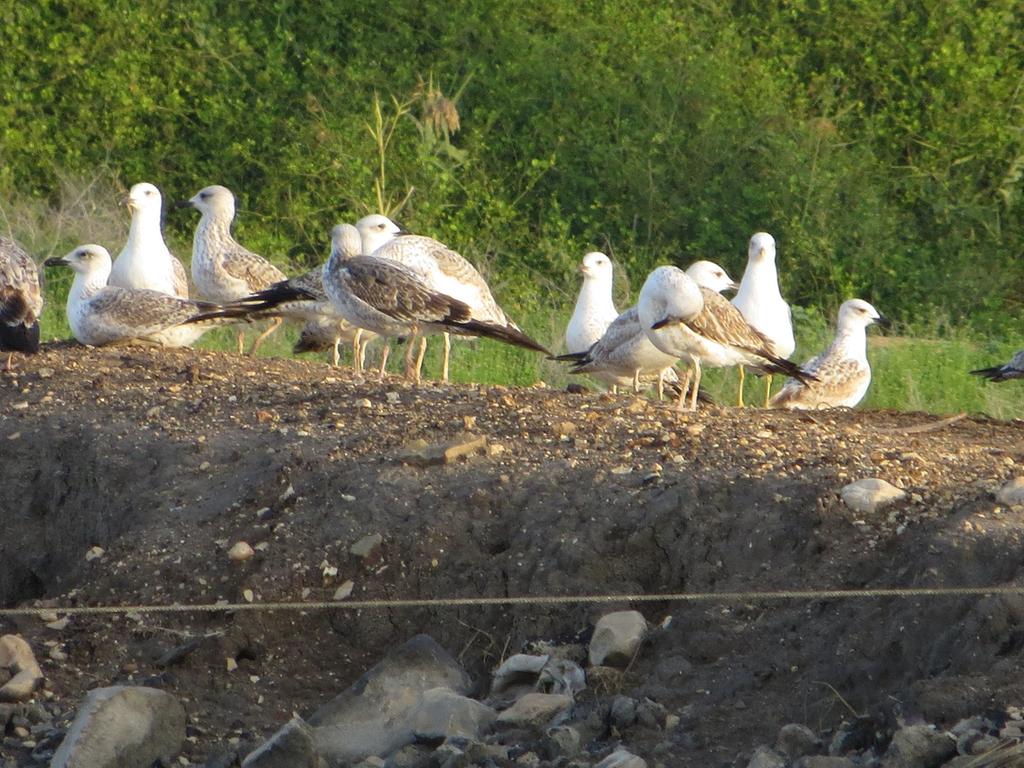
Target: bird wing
(397,292)
(254,270)
(180,277)
(133,313)
(21,301)
(723,323)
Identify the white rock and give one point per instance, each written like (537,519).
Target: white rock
(534,709)
(240,551)
(616,638)
(870,494)
(16,656)
(344,590)
(622,758)
(1012,493)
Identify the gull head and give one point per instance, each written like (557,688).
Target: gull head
(215,201)
(857,313)
(762,249)
(668,295)
(345,242)
(85,259)
(709,275)
(375,230)
(143,197)
(596,265)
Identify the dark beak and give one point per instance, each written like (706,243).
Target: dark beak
(57,261)
(182,204)
(883,321)
(663,322)
(402,230)
(733,286)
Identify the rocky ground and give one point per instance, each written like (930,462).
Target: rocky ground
(132,476)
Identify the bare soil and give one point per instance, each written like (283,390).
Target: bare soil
(165,459)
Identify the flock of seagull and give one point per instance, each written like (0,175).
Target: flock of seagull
(382,282)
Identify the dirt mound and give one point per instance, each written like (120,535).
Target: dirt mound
(165,459)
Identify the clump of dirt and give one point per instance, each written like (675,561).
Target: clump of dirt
(165,459)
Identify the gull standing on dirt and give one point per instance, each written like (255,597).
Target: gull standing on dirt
(624,355)
(21,301)
(595,310)
(1011,370)
(841,373)
(445,271)
(222,270)
(684,320)
(761,303)
(101,314)
(304,298)
(145,261)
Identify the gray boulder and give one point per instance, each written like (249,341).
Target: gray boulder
(616,638)
(441,713)
(918,746)
(796,740)
(534,710)
(122,726)
(291,747)
(371,717)
(766,757)
(622,758)
(868,495)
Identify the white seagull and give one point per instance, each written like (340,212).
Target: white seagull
(445,271)
(21,301)
(304,298)
(684,320)
(842,374)
(145,261)
(761,303)
(1011,370)
(222,270)
(624,355)
(595,310)
(101,314)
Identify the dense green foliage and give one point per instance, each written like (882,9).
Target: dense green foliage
(882,144)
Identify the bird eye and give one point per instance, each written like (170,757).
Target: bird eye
(203,195)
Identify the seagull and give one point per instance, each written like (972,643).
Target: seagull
(841,373)
(303,298)
(222,270)
(595,310)
(21,301)
(624,355)
(682,319)
(1011,370)
(101,314)
(393,300)
(445,271)
(761,303)
(145,261)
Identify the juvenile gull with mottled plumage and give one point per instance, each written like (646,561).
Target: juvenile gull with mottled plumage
(223,270)
(687,321)
(841,373)
(21,301)
(101,314)
(444,271)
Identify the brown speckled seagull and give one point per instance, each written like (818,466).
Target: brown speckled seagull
(222,270)
(21,301)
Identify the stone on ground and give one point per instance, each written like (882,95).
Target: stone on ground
(868,495)
(371,717)
(622,758)
(766,757)
(441,713)
(534,710)
(617,636)
(122,726)
(291,747)
(796,740)
(1012,493)
(17,658)
(918,746)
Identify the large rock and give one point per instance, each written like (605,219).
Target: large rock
(622,758)
(371,717)
(1012,493)
(16,656)
(291,747)
(821,761)
(523,673)
(796,740)
(616,638)
(441,713)
(534,710)
(122,727)
(867,496)
(766,757)
(918,746)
